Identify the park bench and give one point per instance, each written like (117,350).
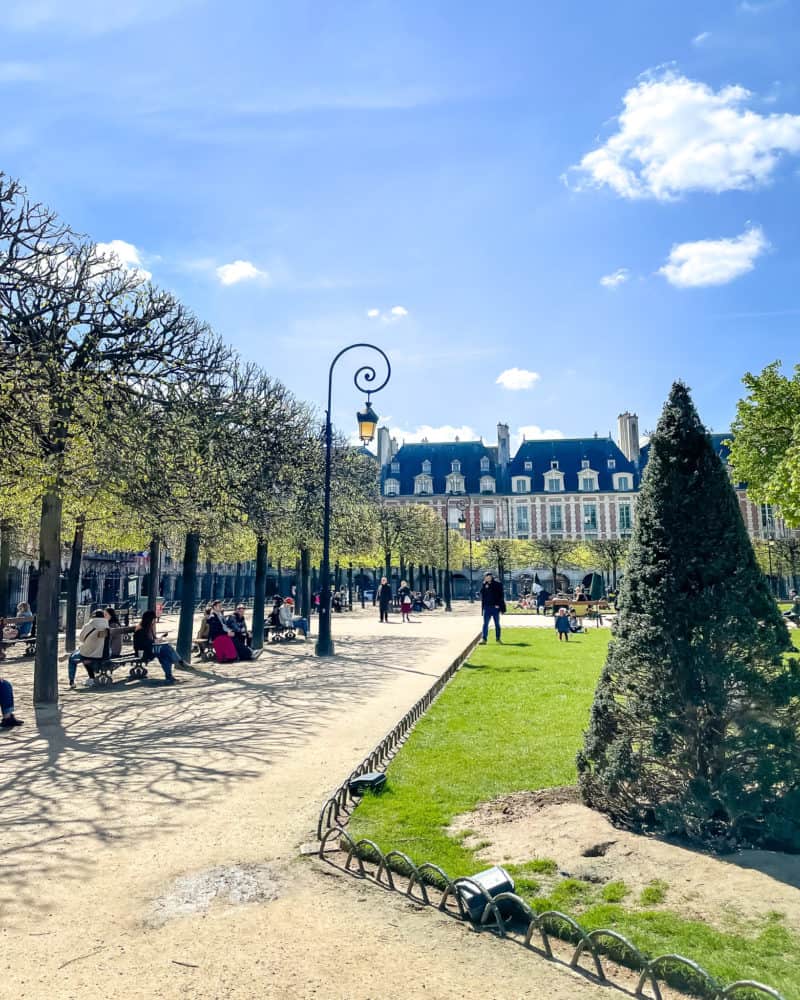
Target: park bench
(104,668)
(9,634)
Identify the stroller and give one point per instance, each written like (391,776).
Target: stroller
(280,627)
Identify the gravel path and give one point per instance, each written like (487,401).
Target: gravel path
(149,843)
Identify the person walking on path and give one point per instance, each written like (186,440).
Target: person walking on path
(562,625)
(405,601)
(493,604)
(384,599)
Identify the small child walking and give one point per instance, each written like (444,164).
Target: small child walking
(562,625)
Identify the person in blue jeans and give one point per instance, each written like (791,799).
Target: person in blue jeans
(493,604)
(7,706)
(145,641)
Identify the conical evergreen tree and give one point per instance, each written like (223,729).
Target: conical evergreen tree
(694,728)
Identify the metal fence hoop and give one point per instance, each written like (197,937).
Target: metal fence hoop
(649,971)
(750,984)
(584,937)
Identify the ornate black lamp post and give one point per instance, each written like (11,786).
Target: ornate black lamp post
(367,423)
(448,586)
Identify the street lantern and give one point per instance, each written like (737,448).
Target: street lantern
(462,522)
(367,422)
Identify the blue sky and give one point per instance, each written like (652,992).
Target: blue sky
(297,170)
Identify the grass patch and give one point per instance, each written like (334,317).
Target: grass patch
(654,892)
(511,720)
(614,892)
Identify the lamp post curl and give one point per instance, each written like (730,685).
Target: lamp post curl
(363,380)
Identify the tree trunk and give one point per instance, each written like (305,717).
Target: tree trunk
(191,552)
(5,565)
(305,584)
(45,682)
(554,569)
(387,558)
(260,594)
(402,569)
(411,575)
(614,574)
(350,586)
(154,575)
(279,579)
(74,584)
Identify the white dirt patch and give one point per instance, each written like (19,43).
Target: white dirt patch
(585,845)
(195,893)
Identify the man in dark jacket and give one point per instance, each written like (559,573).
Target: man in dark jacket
(493,604)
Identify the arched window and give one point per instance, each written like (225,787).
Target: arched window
(485,464)
(423,485)
(426,467)
(391,488)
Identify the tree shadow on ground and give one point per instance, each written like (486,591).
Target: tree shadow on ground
(67,789)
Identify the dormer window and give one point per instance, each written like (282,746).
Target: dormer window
(455,465)
(395,467)
(585,464)
(587,480)
(487,484)
(612,463)
(554,464)
(554,483)
(521,484)
(484,464)
(426,467)
(623,482)
(529,466)
(423,485)
(391,488)
(455,483)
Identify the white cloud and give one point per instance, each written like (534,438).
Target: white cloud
(517,378)
(240,270)
(390,316)
(701,38)
(616,278)
(533,432)
(125,254)
(714,262)
(426,432)
(677,135)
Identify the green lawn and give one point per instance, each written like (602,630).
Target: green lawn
(511,720)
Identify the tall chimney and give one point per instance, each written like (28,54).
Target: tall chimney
(503,457)
(628,424)
(384,446)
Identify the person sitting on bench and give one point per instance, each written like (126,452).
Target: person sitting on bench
(7,705)
(92,646)
(241,637)
(25,628)
(146,642)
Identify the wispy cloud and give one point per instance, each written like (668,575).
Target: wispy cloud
(714,262)
(20,72)
(91,17)
(677,135)
(616,278)
(700,39)
(533,432)
(241,270)
(516,379)
(427,432)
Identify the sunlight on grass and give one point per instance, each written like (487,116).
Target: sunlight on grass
(512,720)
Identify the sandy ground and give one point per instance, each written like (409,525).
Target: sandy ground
(585,845)
(149,841)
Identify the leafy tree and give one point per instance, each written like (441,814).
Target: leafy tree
(765,451)
(405,529)
(610,555)
(81,335)
(555,553)
(779,557)
(694,727)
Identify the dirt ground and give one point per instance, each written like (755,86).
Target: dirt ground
(585,845)
(149,841)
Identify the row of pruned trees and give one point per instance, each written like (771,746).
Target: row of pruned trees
(126,422)
(557,554)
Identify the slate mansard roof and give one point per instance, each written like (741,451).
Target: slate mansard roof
(441,455)
(569,453)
